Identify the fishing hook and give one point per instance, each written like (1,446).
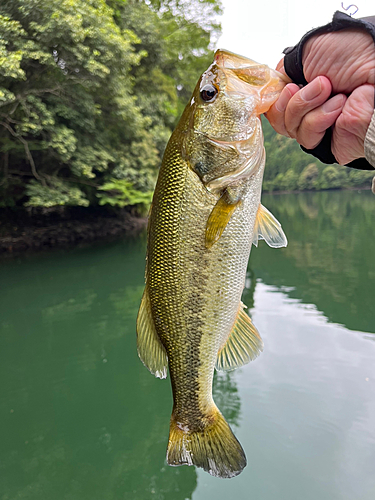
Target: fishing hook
(347,8)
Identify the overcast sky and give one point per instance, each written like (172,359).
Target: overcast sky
(261,29)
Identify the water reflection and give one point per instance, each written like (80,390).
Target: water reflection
(307,409)
(82,418)
(329,260)
(225,393)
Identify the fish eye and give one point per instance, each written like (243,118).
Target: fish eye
(208,93)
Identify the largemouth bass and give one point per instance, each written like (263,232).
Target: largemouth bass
(205,215)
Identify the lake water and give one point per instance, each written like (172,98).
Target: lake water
(81,418)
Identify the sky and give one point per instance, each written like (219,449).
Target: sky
(262,29)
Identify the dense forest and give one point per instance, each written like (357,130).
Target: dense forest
(288,168)
(90,91)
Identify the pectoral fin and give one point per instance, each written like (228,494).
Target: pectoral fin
(218,219)
(150,349)
(268,228)
(243,345)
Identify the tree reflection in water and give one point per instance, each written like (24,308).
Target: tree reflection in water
(327,232)
(81,416)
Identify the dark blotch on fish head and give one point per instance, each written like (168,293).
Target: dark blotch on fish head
(201,169)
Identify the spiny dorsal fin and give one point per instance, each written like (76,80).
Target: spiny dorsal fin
(218,220)
(243,345)
(268,228)
(150,349)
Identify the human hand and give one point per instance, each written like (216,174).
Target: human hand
(347,61)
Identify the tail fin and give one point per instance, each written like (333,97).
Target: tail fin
(215,449)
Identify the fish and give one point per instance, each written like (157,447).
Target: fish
(205,215)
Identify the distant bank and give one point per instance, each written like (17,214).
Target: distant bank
(42,229)
(39,229)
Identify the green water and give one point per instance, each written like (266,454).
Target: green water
(81,418)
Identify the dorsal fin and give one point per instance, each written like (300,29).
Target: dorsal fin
(268,228)
(150,349)
(243,345)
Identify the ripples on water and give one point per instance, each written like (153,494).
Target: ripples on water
(82,418)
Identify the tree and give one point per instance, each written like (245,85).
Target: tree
(309,176)
(289,168)
(333,177)
(89,93)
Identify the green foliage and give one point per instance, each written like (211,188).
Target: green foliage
(288,168)
(360,177)
(121,193)
(56,192)
(90,91)
(309,176)
(332,178)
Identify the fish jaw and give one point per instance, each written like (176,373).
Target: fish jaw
(252,158)
(266,82)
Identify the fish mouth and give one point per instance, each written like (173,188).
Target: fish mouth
(225,59)
(242,72)
(251,89)
(229,60)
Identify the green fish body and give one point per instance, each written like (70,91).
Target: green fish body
(205,215)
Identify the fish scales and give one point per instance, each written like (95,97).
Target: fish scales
(192,299)
(185,308)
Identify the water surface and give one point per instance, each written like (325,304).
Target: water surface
(83,419)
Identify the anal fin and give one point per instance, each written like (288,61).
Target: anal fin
(268,228)
(150,349)
(242,346)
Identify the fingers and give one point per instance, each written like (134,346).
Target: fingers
(305,114)
(280,66)
(315,123)
(351,126)
(289,111)
(276,113)
(304,101)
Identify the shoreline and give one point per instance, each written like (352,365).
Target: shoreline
(25,231)
(297,191)
(29,231)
